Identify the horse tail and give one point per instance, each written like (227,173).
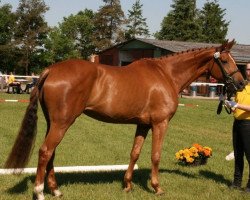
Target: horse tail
(24,143)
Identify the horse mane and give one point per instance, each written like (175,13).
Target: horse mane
(180,53)
(175,54)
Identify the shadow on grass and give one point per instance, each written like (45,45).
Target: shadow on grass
(21,186)
(218,178)
(140,178)
(178,172)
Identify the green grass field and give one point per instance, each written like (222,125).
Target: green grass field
(90,142)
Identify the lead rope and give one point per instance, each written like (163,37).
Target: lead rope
(222,99)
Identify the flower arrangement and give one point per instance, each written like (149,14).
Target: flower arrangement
(195,155)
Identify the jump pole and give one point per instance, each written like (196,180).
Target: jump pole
(71,169)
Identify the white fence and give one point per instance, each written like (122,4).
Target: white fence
(19,78)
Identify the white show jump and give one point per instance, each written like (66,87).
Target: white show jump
(71,169)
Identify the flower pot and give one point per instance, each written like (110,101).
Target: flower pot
(198,162)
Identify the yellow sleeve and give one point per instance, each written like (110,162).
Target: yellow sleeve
(242,97)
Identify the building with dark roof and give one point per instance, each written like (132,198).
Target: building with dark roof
(134,49)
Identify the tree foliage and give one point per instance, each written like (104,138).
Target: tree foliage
(73,38)
(58,47)
(214,26)
(137,25)
(30,30)
(186,23)
(28,44)
(181,22)
(7,20)
(109,22)
(80,28)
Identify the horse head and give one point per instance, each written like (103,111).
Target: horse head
(226,70)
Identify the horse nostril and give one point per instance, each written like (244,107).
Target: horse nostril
(243,83)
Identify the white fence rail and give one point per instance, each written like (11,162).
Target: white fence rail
(19,78)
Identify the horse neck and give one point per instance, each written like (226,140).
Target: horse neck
(186,67)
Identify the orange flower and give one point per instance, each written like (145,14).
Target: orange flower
(197,146)
(206,153)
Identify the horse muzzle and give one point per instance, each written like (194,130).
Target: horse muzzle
(235,86)
(241,85)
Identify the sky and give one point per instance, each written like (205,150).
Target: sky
(237,13)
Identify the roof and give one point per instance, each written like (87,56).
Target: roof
(240,52)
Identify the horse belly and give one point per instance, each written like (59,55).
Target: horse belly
(105,117)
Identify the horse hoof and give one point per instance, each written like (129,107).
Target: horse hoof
(127,189)
(159,192)
(57,193)
(38,197)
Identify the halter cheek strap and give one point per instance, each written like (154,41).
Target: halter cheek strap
(227,77)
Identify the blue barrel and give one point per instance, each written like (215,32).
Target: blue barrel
(212,91)
(193,92)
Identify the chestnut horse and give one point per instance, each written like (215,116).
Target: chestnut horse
(144,93)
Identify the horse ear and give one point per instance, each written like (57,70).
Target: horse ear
(222,47)
(230,44)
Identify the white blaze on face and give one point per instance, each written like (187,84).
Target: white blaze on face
(232,58)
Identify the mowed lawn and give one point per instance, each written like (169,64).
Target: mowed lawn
(91,142)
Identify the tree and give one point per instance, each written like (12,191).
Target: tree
(108,21)
(80,28)
(181,23)
(7,19)
(137,25)
(214,26)
(58,47)
(30,30)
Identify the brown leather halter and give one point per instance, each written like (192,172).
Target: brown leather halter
(228,78)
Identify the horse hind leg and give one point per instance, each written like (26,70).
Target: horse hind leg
(51,179)
(50,173)
(46,157)
(140,136)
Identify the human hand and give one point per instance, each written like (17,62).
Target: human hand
(231,104)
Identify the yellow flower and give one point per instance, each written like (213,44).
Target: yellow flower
(190,159)
(177,155)
(193,149)
(196,155)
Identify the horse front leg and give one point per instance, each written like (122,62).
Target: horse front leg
(158,133)
(140,136)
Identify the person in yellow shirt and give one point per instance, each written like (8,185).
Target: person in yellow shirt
(12,83)
(241,132)
(11,78)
